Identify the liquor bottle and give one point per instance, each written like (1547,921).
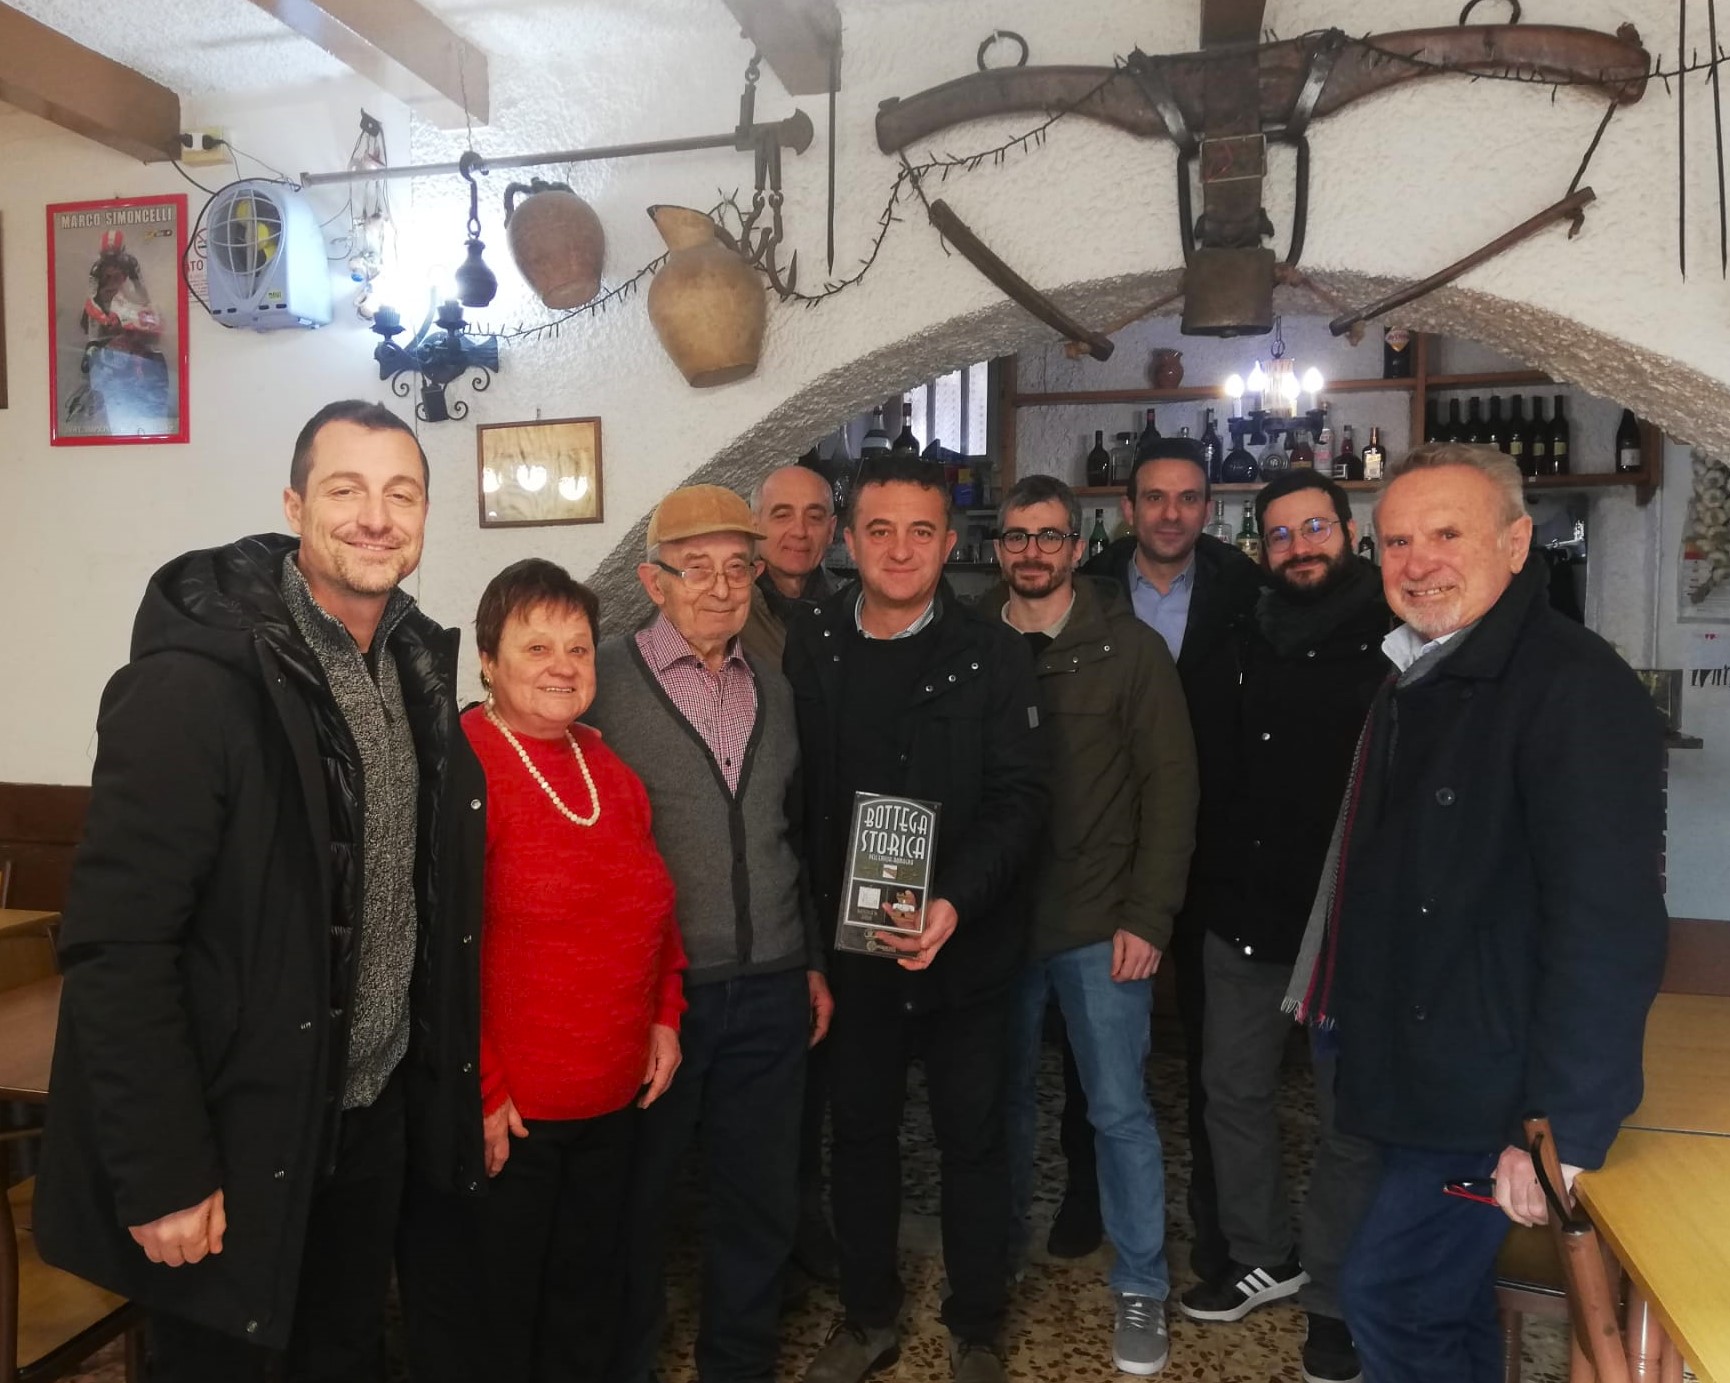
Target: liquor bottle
(1475,431)
(1248,539)
(1453,430)
(1497,426)
(1538,440)
(1099,539)
(1560,436)
(1271,460)
(1396,353)
(1347,464)
(1303,455)
(1211,450)
(1149,435)
(876,441)
(1432,425)
(1099,462)
(905,443)
(1519,436)
(1629,460)
(1325,451)
(1122,459)
(1375,458)
(1221,526)
(1367,549)
(1238,468)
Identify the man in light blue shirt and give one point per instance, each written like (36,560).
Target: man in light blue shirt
(1165,611)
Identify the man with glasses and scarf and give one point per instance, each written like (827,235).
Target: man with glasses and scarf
(1310,663)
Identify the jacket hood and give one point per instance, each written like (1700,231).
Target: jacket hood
(213,602)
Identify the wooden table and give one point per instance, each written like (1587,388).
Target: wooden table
(1687,1067)
(1662,1203)
(24,922)
(28,1015)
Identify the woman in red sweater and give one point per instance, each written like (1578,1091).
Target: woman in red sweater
(581,967)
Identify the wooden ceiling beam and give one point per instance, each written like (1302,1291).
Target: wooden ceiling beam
(796,38)
(48,75)
(402,48)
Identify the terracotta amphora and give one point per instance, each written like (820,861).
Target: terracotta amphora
(706,302)
(557,242)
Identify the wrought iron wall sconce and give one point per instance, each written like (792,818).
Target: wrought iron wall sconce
(441,352)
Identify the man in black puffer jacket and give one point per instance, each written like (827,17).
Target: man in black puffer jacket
(270,940)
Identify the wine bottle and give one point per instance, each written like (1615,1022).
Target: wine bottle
(1454,430)
(1149,435)
(905,443)
(1519,436)
(1099,539)
(1396,353)
(1367,549)
(1238,468)
(1211,451)
(1123,458)
(1538,440)
(1303,455)
(1497,425)
(1347,463)
(1248,539)
(1475,431)
(1375,458)
(876,440)
(1099,462)
(1432,425)
(1272,460)
(1630,460)
(1560,436)
(1325,451)
(1221,526)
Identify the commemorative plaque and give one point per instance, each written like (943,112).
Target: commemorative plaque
(890,852)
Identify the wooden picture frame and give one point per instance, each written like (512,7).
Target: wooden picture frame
(539,473)
(117,330)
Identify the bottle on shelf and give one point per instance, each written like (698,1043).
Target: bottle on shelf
(1538,440)
(1630,460)
(1560,436)
(1123,458)
(905,443)
(1238,468)
(1519,436)
(1271,460)
(1098,463)
(1497,426)
(1149,434)
(876,440)
(1303,455)
(1248,538)
(1396,353)
(1432,425)
(1211,451)
(1453,430)
(1367,549)
(1375,462)
(1221,526)
(1099,539)
(1325,451)
(1348,465)
(1475,431)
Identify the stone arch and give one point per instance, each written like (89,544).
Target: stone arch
(1690,406)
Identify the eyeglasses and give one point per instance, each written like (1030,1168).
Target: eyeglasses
(1049,539)
(1312,530)
(702,578)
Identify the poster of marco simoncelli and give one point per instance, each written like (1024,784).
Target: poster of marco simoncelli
(117,321)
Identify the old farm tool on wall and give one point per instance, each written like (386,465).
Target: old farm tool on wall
(1223,104)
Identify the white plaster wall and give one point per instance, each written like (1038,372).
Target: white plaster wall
(1402,184)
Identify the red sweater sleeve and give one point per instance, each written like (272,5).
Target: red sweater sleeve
(672,999)
(494,1091)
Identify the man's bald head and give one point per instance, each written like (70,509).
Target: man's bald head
(796,510)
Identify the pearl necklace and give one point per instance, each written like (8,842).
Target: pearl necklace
(547,787)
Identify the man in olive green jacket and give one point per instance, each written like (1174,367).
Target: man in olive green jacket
(1109,883)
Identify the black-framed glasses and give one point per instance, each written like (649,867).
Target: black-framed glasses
(1049,539)
(1311,530)
(702,577)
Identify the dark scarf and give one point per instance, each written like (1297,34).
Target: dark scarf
(1293,622)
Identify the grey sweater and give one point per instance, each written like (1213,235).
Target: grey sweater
(743,903)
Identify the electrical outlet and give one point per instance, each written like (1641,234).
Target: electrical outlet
(204,146)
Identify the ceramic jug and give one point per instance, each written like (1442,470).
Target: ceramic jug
(1166,369)
(557,242)
(706,302)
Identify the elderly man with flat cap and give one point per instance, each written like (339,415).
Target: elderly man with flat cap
(710,731)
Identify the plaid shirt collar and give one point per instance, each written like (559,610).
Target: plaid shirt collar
(662,646)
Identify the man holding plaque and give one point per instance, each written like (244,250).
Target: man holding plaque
(1110,880)
(902,691)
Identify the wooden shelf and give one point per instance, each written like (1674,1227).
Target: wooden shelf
(1489,379)
(1200,393)
(1592,480)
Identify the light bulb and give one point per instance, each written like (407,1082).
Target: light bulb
(1234,386)
(1288,386)
(1257,379)
(532,478)
(1313,382)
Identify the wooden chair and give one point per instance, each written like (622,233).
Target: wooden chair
(50,1321)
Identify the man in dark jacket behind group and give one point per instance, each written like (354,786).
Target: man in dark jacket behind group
(1497,930)
(270,975)
(901,689)
(1311,661)
(1196,592)
(1111,868)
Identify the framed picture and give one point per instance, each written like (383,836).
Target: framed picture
(540,472)
(117,322)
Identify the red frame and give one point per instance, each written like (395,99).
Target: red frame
(177,201)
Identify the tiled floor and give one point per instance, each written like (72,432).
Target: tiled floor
(1060,1322)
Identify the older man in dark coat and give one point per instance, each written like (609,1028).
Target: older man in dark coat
(1494,931)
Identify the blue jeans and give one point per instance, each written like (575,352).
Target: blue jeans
(1419,1284)
(1108,1032)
